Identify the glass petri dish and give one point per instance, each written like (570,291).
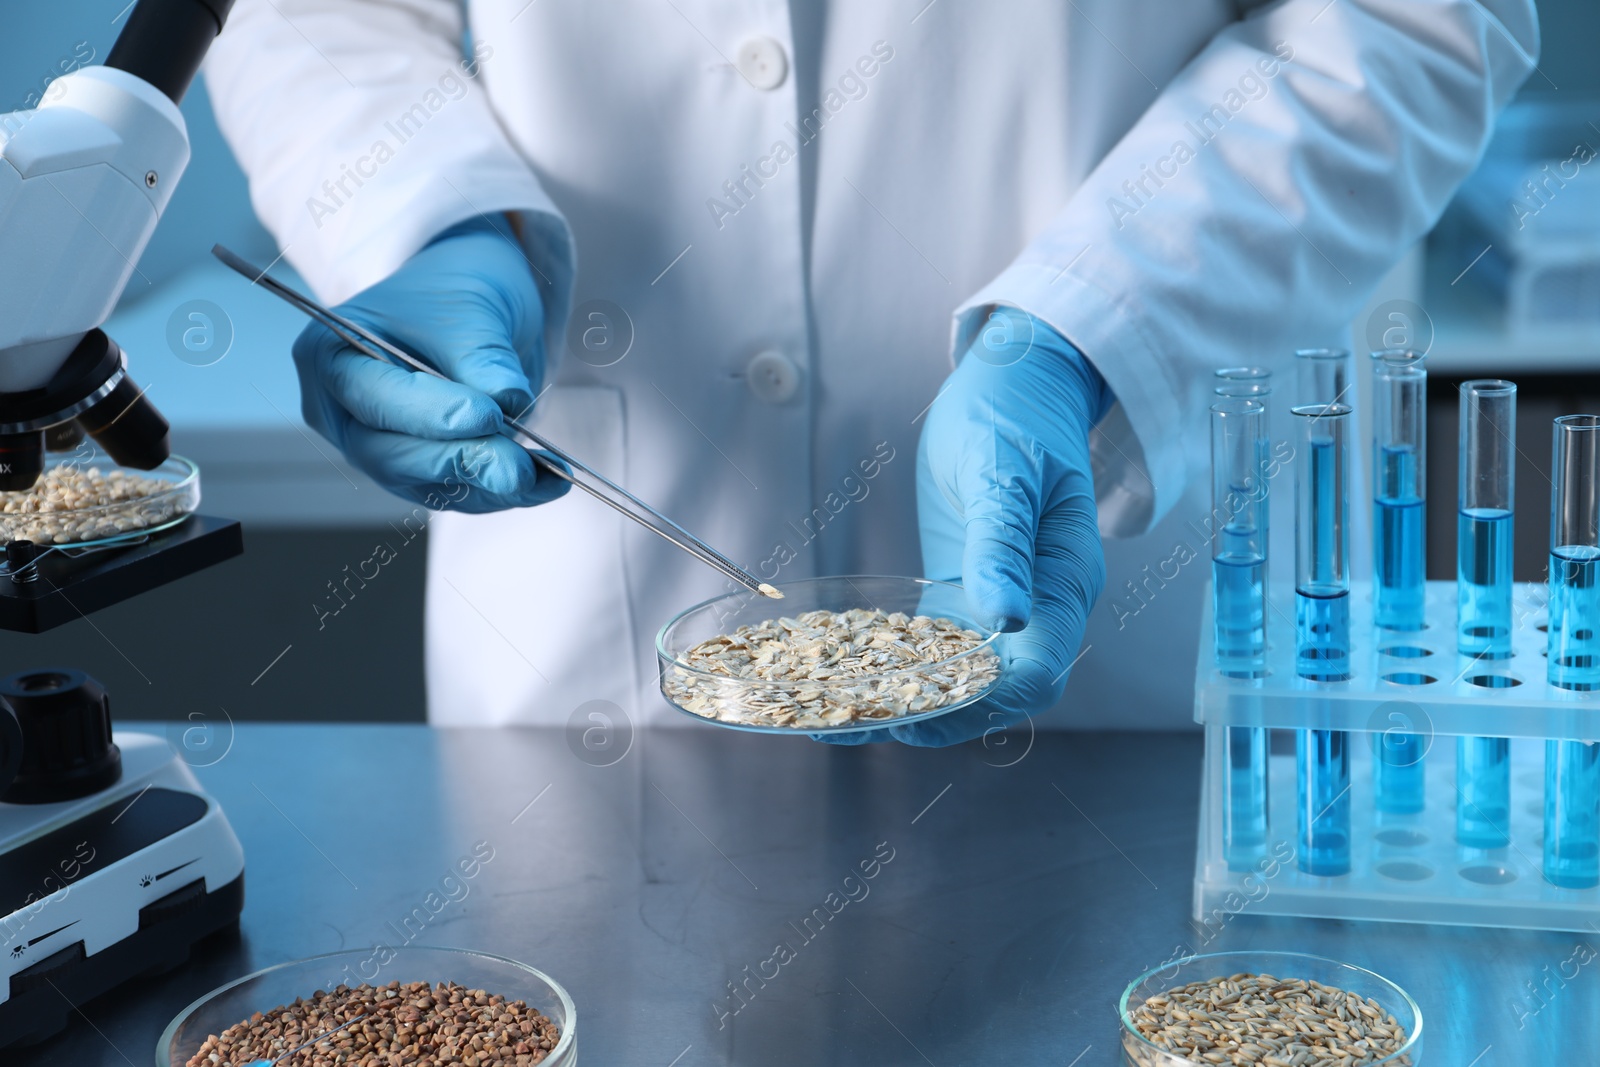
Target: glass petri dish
(275,986)
(875,701)
(1137,1051)
(108,523)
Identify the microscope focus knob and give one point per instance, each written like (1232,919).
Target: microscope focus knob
(67,751)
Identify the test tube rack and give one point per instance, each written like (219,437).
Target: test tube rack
(1404,868)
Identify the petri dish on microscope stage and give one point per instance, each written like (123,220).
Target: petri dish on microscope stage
(113,504)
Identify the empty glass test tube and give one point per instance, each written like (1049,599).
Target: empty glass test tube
(1572,768)
(1322,629)
(1238,559)
(1399,433)
(1483,595)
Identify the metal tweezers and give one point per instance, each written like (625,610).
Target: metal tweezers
(370,344)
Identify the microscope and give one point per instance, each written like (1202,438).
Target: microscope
(113,861)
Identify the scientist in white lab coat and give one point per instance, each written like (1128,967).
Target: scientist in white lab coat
(748,257)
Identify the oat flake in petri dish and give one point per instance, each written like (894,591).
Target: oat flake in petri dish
(849,653)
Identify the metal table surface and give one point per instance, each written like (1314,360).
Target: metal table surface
(1025,885)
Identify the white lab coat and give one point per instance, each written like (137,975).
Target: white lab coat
(1174,185)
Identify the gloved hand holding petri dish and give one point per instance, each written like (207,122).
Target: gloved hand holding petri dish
(1013,560)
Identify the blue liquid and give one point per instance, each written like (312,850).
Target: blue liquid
(1264,513)
(1397,772)
(1483,629)
(1244,812)
(1574,644)
(1397,541)
(1483,791)
(1483,583)
(1322,635)
(1322,764)
(1322,654)
(1571,814)
(1240,612)
(1320,541)
(1398,599)
(1572,768)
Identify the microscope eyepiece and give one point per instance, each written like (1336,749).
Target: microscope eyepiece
(165,41)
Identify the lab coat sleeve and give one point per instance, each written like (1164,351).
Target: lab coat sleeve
(365,131)
(1254,207)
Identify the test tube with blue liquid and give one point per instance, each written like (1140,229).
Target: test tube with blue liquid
(1238,561)
(1483,595)
(1323,378)
(1572,768)
(1399,432)
(1322,629)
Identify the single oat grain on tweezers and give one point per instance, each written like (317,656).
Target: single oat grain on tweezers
(825,669)
(1261,1020)
(412,1023)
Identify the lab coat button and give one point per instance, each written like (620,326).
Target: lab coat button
(763,63)
(772,377)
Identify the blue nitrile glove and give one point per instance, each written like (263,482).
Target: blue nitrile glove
(1005,499)
(468,306)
